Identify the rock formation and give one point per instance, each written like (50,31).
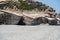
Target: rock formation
(9,19)
(33,13)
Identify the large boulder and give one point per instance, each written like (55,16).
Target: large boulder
(52,21)
(31,21)
(9,19)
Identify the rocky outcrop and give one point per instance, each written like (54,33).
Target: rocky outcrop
(31,21)
(36,13)
(9,19)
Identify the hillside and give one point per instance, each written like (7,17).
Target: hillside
(26,5)
(32,12)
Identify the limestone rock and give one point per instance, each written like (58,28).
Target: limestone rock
(9,19)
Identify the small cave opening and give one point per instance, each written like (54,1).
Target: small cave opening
(21,21)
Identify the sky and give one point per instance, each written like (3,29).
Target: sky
(55,4)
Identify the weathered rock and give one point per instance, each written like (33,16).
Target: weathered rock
(1,18)
(9,19)
(58,18)
(44,20)
(52,21)
(34,17)
(31,21)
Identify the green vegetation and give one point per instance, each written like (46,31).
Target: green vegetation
(25,6)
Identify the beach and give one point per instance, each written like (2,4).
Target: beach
(38,32)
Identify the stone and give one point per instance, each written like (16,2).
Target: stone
(30,21)
(9,19)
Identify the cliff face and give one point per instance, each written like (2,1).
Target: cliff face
(34,11)
(9,18)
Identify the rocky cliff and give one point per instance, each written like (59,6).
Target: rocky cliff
(26,7)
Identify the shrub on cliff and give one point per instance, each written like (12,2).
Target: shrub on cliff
(25,6)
